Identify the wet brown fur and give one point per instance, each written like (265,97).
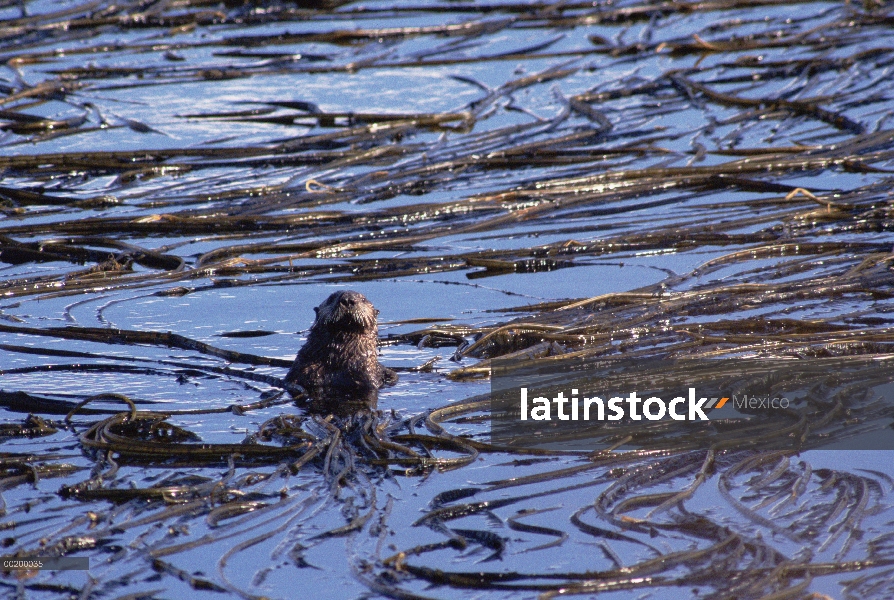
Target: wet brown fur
(339,362)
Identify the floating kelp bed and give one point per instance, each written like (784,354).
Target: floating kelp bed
(548,182)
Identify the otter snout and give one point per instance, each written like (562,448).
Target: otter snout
(347,309)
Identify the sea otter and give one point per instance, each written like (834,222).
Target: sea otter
(339,365)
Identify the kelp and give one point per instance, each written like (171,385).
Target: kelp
(748,137)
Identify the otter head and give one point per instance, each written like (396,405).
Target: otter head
(347,310)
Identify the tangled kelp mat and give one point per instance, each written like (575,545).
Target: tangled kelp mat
(182,181)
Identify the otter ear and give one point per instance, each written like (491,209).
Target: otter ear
(317,309)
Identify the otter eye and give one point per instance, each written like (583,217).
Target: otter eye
(376,311)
